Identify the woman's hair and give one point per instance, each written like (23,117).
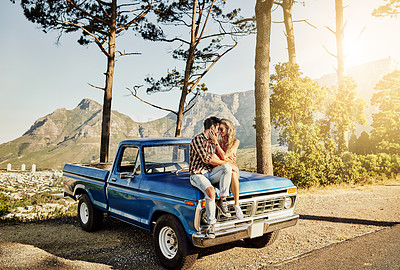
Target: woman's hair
(231,132)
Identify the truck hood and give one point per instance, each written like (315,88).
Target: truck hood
(253,183)
(179,185)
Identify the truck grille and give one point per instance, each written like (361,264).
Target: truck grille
(246,209)
(253,208)
(269,205)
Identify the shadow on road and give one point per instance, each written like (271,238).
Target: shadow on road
(349,220)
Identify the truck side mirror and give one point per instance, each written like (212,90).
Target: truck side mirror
(126,175)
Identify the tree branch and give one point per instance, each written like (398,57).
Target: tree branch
(333,32)
(125,53)
(134,93)
(97,41)
(173,40)
(188,106)
(205,72)
(329,52)
(86,13)
(101,3)
(245,20)
(94,86)
(306,21)
(205,23)
(138,17)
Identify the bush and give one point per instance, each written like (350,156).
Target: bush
(4,208)
(384,165)
(321,167)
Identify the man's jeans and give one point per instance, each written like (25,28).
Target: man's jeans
(221,174)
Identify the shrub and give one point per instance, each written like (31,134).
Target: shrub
(4,208)
(320,166)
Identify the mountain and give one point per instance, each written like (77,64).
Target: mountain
(74,135)
(238,107)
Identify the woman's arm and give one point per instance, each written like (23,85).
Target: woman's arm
(233,150)
(220,153)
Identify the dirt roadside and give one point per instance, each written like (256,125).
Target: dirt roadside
(327,216)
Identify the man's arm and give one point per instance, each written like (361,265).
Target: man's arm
(198,147)
(215,161)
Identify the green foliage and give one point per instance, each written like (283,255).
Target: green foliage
(321,168)
(4,208)
(362,145)
(381,164)
(294,102)
(386,122)
(344,111)
(91,18)
(391,9)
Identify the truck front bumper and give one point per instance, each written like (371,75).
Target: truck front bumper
(243,231)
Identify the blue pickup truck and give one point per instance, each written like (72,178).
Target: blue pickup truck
(148,186)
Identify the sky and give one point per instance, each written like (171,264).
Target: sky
(38,76)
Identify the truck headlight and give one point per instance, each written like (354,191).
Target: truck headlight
(287,202)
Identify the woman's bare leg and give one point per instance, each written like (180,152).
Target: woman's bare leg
(235,187)
(235,192)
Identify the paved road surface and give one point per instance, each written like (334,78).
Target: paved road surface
(379,250)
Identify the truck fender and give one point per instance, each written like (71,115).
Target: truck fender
(81,189)
(159,212)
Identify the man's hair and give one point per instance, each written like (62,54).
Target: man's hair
(211,121)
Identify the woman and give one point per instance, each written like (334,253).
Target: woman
(226,148)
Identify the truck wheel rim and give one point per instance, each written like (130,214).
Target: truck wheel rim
(168,242)
(84,213)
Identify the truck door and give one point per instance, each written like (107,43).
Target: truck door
(123,185)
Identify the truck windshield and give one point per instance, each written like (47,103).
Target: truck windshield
(166,158)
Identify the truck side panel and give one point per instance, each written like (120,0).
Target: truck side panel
(78,179)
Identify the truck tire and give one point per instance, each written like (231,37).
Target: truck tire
(173,249)
(89,217)
(262,241)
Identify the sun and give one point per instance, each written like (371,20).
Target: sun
(353,52)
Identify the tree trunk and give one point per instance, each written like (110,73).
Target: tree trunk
(340,41)
(343,143)
(287,6)
(106,123)
(188,70)
(263,121)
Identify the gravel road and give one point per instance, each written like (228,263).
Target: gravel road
(327,216)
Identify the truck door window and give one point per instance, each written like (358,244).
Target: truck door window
(130,160)
(166,158)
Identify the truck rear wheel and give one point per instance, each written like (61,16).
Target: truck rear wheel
(262,241)
(172,247)
(89,217)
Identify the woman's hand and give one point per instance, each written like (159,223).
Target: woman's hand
(213,137)
(234,167)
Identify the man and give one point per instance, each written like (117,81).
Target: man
(206,169)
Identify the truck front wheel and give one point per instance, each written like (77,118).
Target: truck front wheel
(262,241)
(172,247)
(89,217)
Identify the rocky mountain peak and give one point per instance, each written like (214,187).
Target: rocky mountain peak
(89,105)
